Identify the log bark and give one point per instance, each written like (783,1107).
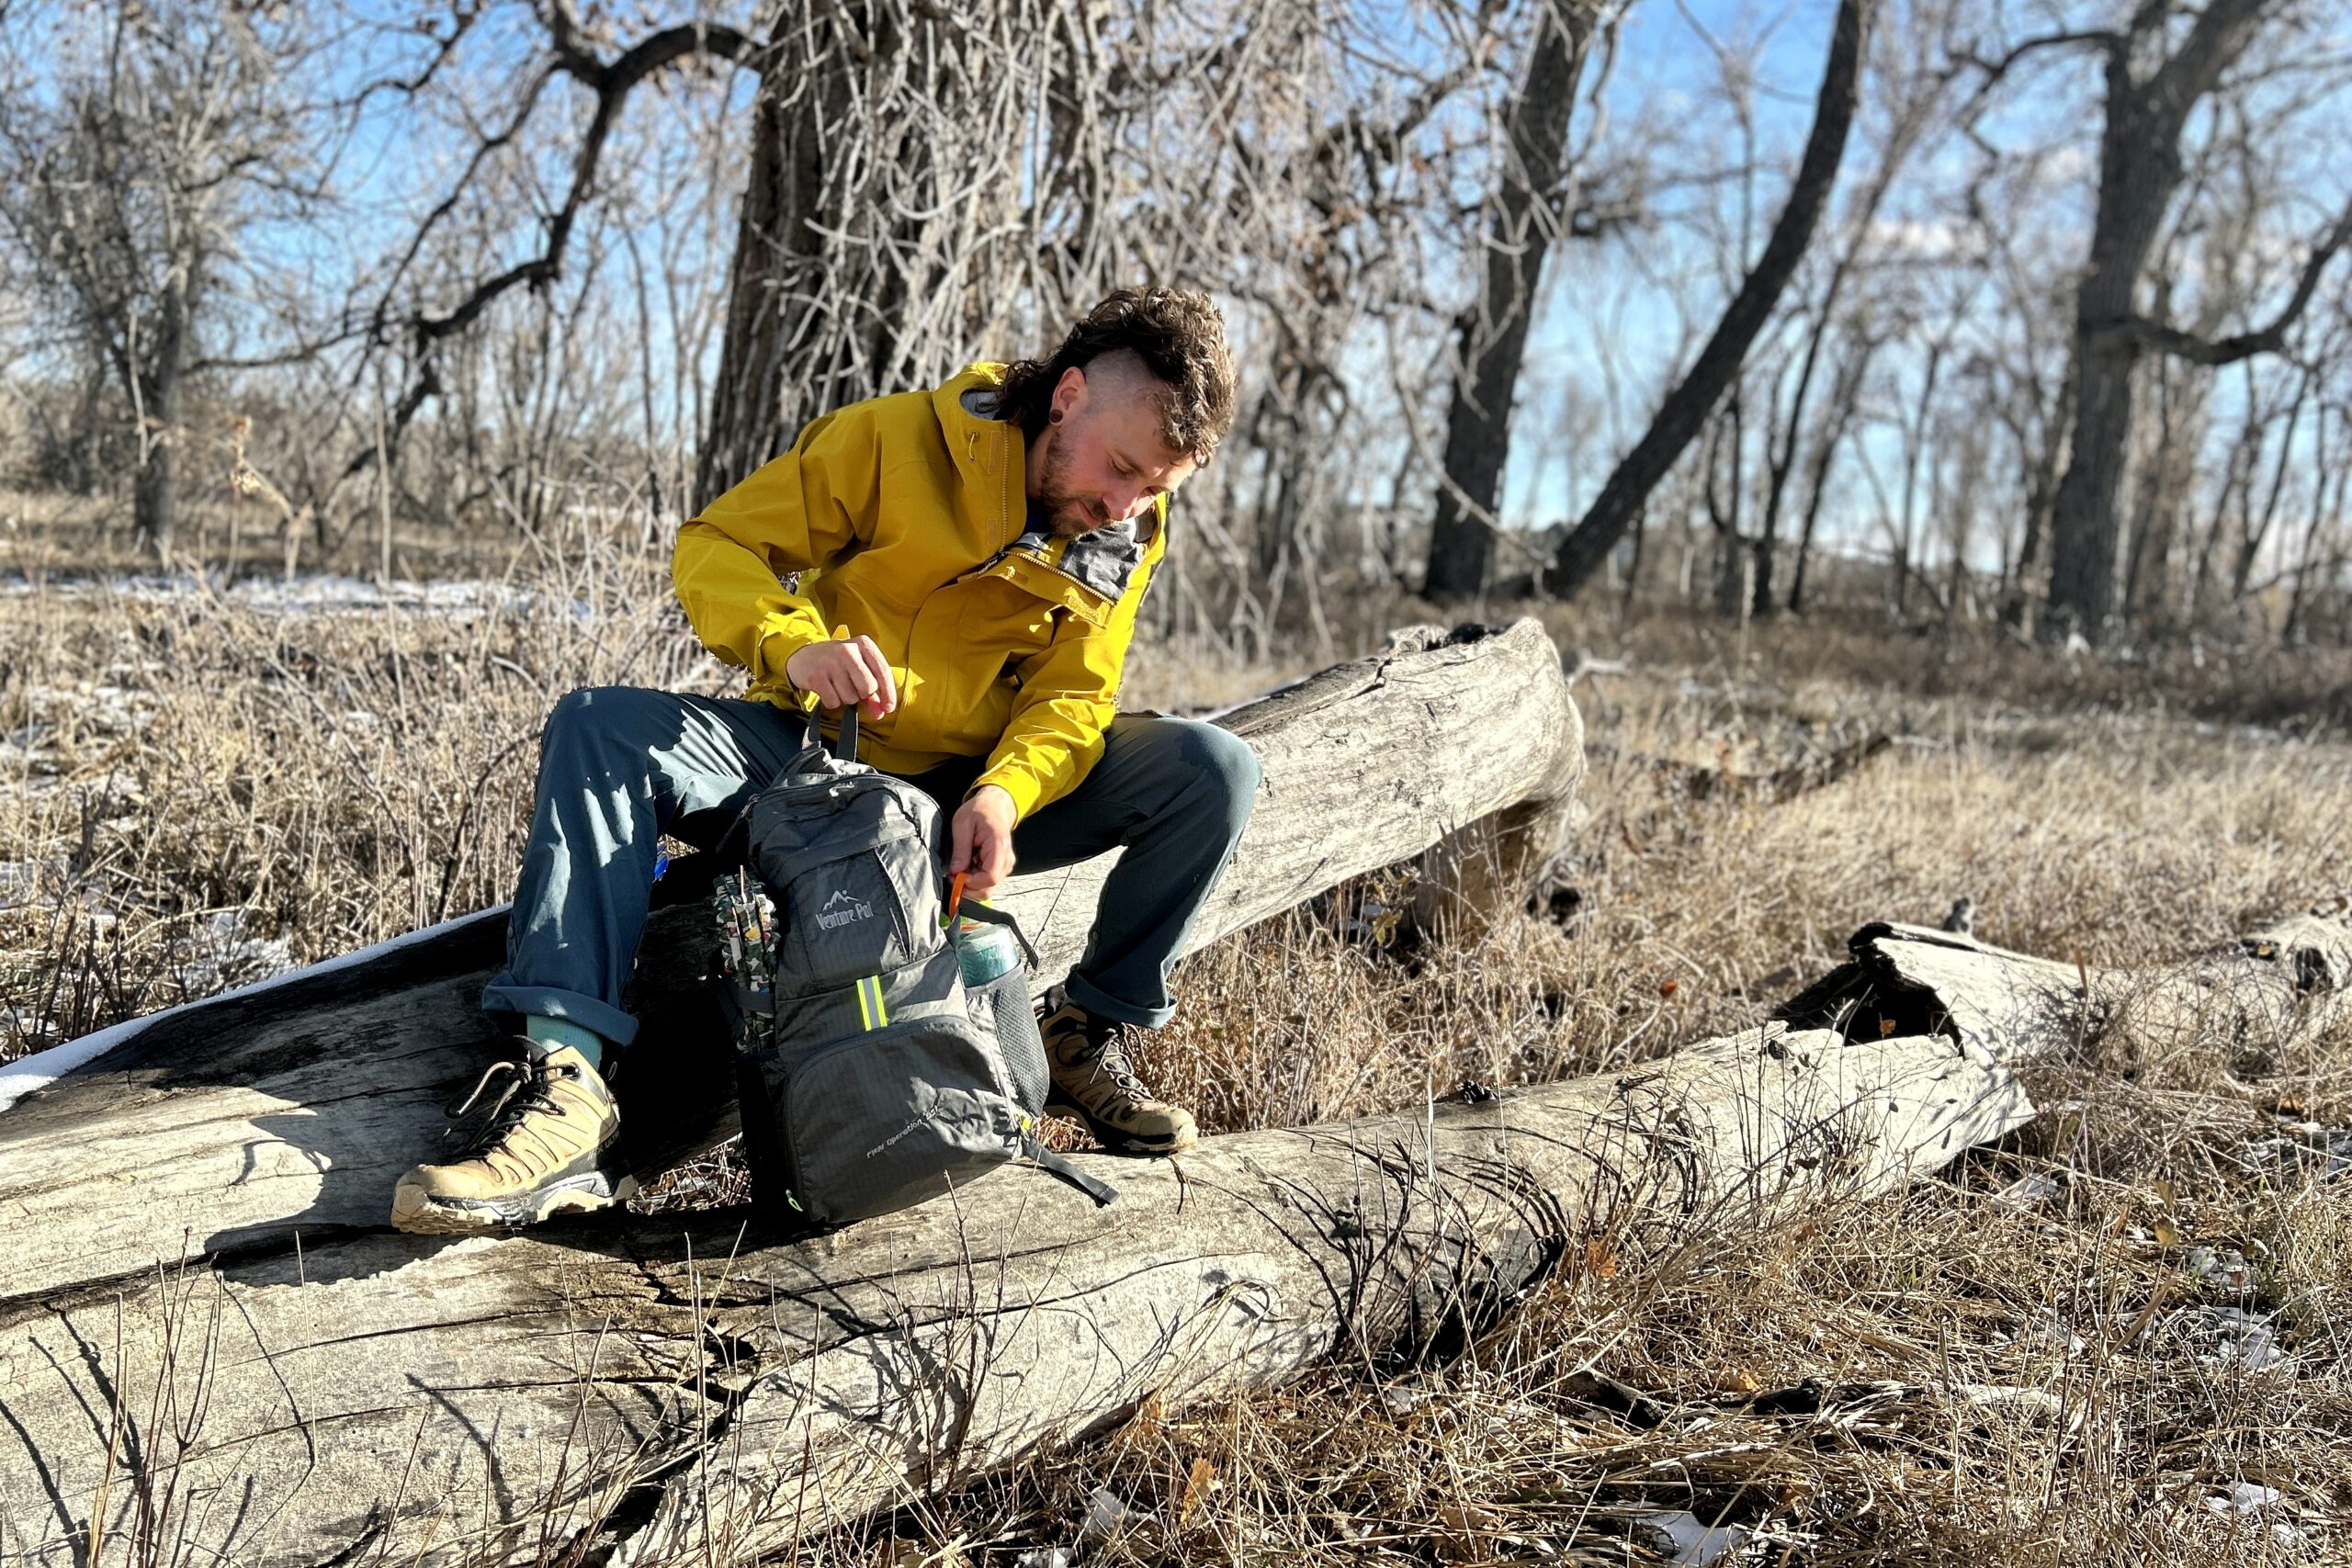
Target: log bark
(292,1107)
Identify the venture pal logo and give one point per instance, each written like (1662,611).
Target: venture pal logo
(841,910)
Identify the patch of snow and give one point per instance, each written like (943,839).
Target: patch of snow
(220,951)
(22,882)
(309,593)
(2026,1193)
(2046,1330)
(1106,1516)
(25,1026)
(1695,1545)
(2325,1151)
(2037,1401)
(2244,1497)
(26,746)
(2224,1266)
(2245,1339)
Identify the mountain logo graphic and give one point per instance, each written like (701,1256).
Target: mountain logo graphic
(841,910)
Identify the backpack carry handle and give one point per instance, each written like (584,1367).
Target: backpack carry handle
(989,915)
(845,740)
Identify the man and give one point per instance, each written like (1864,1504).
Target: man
(970,562)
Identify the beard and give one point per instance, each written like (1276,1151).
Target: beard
(1069,513)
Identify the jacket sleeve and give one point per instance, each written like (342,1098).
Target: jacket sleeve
(796,514)
(1069,689)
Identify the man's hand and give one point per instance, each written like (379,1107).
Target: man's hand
(983,840)
(849,669)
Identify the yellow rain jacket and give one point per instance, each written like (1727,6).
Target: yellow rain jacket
(905,517)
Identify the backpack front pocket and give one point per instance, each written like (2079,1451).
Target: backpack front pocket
(844,919)
(850,867)
(883,1120)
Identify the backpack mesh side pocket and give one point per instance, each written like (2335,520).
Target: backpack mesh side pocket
(1002,1008)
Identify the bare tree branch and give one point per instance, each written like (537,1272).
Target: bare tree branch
(2270,339)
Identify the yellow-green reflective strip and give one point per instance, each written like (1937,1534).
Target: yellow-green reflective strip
(870,1010)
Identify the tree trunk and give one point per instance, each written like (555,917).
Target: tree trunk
(779,259)
(1523,221)
(2140,168)
(1685,410)
(1845,396)
(155,496)
(2256,533)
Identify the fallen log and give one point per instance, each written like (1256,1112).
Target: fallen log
(2271,988)
(291,1107)
(663,1391)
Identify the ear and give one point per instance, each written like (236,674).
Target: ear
(1069,393)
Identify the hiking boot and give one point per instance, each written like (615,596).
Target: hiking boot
(552,1143)
(1094,1081)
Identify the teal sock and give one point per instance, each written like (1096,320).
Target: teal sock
(553,1033)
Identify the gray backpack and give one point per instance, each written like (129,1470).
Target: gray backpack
(870,1076)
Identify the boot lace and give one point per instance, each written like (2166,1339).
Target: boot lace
(1108,1058)
(528,1088)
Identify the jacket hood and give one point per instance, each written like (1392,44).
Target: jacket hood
(980,443)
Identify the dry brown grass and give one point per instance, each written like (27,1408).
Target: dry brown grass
(1936,1379)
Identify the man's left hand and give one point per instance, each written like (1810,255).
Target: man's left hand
(983,840)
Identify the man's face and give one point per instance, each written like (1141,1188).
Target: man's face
(1105,461)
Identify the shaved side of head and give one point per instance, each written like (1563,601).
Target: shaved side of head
(1119,377)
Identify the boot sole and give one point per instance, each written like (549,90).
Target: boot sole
(420,1213)
(1113,1140)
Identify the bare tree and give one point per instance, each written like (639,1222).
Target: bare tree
(1914,93)
(2142,166)
(1680,418)
(1863,342)
(1523,219)
(134,176)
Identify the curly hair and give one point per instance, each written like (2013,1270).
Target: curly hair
(1178,335)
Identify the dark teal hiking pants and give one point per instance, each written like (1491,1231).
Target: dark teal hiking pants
(620,766)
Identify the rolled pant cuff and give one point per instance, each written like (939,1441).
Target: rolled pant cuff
(1085,994)
(551,1001)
